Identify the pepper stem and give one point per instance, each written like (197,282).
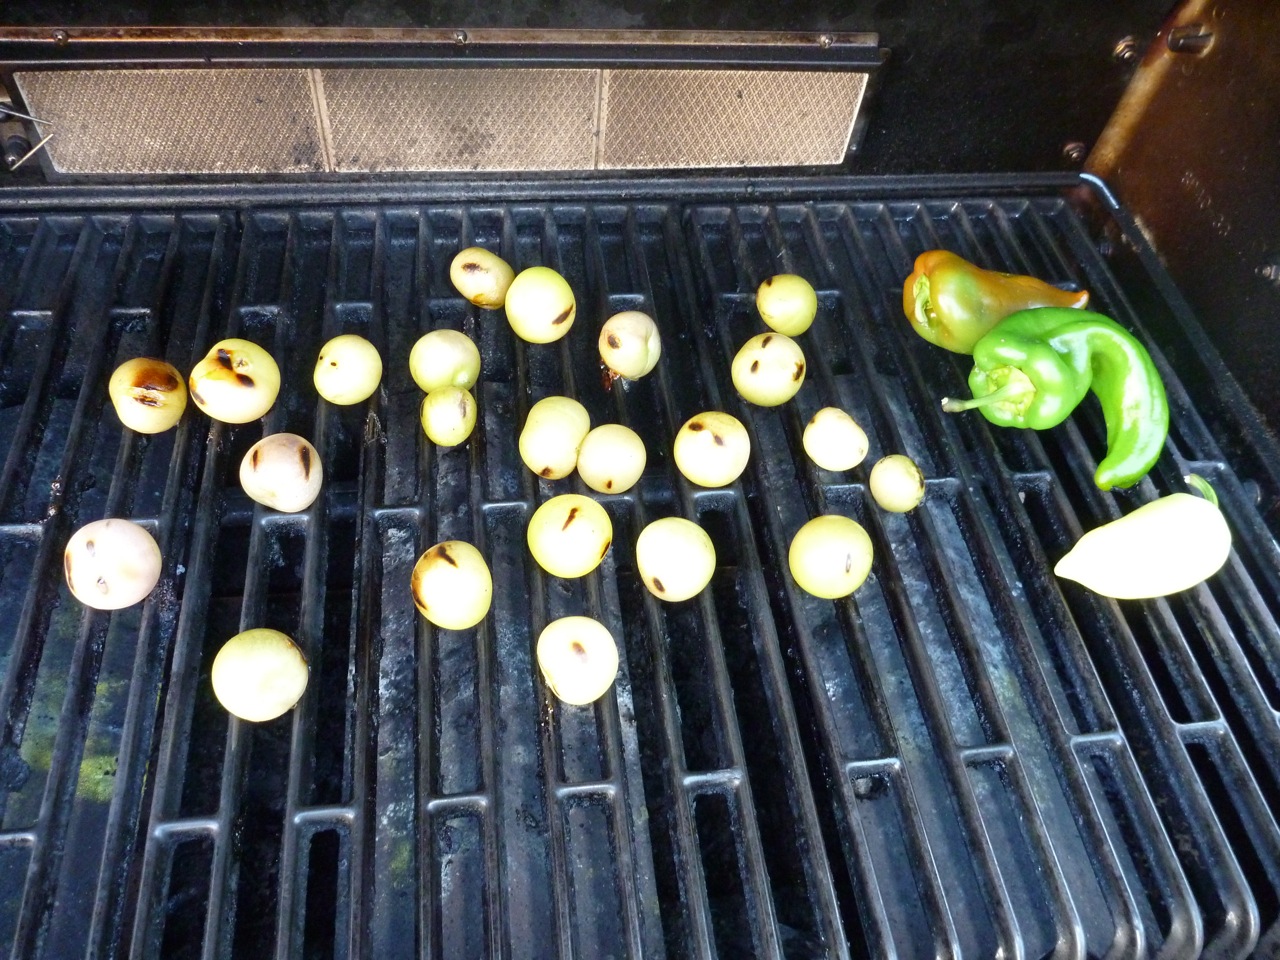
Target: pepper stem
(1201,485)
(1007,392)
(924,305)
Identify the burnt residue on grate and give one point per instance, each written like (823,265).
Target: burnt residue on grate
(969,757)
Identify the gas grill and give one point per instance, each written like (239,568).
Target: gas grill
(969,757)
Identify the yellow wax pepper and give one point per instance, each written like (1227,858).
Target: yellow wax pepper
(1167,545)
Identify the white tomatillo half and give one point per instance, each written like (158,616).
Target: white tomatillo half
(148,394)
(237,381)
(259,675)
(110,564)
(482,277)
(578,659)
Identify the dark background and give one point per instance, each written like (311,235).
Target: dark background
(970,85)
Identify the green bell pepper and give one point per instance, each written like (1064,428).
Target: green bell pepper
(1036,366)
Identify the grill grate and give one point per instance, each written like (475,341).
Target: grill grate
(972,758)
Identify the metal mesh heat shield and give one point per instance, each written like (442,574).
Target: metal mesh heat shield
(462,119)
(406,120)
(178,121)
(727,118)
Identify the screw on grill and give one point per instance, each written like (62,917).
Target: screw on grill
(1126,51)
(1073,152)
(15,148)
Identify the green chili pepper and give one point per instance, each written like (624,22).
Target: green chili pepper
(952,303)
(1035,367)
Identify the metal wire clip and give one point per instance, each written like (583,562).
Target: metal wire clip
(8,110)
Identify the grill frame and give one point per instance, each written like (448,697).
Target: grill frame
(982,493)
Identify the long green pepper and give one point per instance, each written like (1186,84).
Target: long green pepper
(1036,366)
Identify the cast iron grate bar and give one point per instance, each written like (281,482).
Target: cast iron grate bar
(967,757)
(817,883)
(1081,452)
(1114,890)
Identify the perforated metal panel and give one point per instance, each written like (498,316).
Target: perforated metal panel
(427,119)
(178,121)
(461,119)
(727,118)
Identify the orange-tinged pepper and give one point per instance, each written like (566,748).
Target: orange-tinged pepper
(953,304)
